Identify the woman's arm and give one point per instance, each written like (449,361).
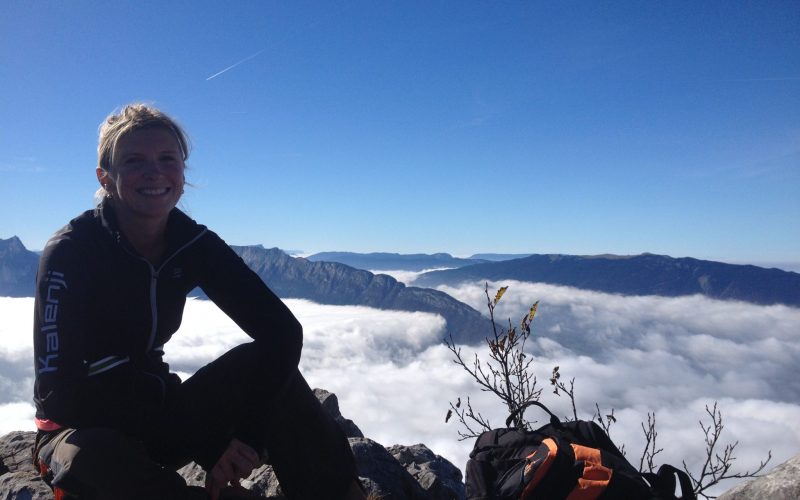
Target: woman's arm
(243,296)
(60,323)
(71,390)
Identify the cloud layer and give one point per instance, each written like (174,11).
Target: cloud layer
(636,354)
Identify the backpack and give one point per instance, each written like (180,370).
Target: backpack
(561,460)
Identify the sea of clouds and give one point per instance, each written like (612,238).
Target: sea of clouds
(395,378)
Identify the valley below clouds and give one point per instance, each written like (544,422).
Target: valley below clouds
(394,377)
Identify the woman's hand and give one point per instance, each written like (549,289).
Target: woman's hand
(237,462)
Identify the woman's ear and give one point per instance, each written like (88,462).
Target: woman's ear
(102,176)
(106,182)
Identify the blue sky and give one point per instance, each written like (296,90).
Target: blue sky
(464,127)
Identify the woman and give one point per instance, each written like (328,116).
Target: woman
(113,421)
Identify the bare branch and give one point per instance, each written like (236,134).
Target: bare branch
(504,370)
(650,451)
(560,387)
(716,467)
(473,422)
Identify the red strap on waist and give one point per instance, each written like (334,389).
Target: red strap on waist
(46,425)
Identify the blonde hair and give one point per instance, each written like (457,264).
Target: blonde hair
(132,117)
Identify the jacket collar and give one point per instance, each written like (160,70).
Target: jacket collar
(181,228)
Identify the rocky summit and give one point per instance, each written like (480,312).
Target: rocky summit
(398,472)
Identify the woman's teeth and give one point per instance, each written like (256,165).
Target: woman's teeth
(153,191)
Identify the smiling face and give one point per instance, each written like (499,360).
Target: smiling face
(146,178)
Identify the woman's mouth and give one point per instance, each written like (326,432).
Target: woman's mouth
(153,191)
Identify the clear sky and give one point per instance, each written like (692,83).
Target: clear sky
(461,126)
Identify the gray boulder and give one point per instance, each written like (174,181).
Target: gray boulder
(262,481)
(331,404)
(381,473)
(782,483)
(438,477)
(18,478)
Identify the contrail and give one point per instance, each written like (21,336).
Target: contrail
(235,64)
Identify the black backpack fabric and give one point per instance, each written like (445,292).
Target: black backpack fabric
(561,460)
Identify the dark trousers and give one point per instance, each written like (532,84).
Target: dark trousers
(244,394)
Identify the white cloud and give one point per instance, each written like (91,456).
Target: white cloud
(16,417)
(635,354)
(749,350)
(16,328)
(16,364)
(407,277)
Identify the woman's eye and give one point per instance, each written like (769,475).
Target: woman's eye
(132,162)
(171,162)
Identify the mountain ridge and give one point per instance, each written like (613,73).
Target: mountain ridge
(339,284)
(643,274)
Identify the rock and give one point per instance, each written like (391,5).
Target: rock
(193,474)
(18,478)
(264,482)
(437,476)
(382,474)
(261,481)
(782,483)
(331,404)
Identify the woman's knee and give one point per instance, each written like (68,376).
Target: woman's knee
(96,449)
(106,463)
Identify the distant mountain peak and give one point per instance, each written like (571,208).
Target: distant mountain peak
(18,267)
(13,243)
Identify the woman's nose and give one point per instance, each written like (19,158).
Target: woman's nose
(152,167)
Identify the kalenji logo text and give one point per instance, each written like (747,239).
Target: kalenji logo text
(55,283)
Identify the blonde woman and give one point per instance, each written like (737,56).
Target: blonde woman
(114,422)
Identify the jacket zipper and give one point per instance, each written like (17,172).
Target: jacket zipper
(153,304)
(154,285)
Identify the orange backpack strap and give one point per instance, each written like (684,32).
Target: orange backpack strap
(538,463)
(596,476)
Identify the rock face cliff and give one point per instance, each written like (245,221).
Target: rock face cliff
(17,269)
(339,284)
(399,472)
(645,274)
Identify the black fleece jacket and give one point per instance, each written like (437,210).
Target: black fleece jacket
(103,314)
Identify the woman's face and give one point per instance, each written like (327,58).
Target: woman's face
(146,177)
